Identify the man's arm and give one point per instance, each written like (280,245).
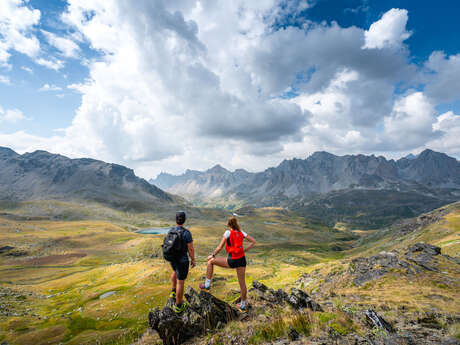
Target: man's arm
(191,253)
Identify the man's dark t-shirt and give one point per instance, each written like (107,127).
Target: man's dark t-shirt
(186,237)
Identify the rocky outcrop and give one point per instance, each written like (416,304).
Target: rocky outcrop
(375,320)
(366,269)
(205,312)
(298,299)
(424,255)
(418,257)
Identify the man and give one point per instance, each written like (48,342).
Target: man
(180,265)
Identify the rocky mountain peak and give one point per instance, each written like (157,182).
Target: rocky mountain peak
(217,169)
(41,175)
(7,152)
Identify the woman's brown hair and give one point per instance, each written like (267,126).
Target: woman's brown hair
(233,224)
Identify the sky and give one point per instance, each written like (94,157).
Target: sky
(170,85)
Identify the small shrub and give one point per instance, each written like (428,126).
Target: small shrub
(302,324)
(454,330)
(269,332)
(340,329)
(325,317)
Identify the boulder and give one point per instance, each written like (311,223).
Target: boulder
(375,320)
(298,299)
(424,247)
(366,269)
(205,312)
(424,255)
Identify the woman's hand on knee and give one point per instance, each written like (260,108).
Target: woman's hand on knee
(211,261)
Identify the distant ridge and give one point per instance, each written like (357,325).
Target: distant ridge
(43,175)
(322,172)
(425,181)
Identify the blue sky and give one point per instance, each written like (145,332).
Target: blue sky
(435,24)
(246,84)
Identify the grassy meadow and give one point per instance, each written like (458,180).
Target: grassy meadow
(66,256)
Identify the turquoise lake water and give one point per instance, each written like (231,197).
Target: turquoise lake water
(153,231)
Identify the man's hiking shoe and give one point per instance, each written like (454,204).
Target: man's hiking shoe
(203,287)
(180,309)
(241,307)
(172,294)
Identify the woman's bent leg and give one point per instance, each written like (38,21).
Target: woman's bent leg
(241,273)
(220,261)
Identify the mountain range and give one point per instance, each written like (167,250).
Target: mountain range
(43,175)
(323,184)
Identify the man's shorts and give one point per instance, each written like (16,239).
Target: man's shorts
(235,263)
(181,269)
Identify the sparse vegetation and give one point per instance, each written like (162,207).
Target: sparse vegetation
(56,286)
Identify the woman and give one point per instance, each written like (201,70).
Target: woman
(233,241)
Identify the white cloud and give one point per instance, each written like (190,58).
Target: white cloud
(48,87)
(449,124)
(67,47)
(4,80)
(443,77)
(16,23)
(389,31)
(53,64)
(10,115)
(411,123)
(27,69)
(186,84)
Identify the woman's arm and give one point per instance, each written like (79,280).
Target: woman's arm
(252,242)
(218,249)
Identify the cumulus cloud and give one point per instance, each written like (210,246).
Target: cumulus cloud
(411,123)
(187,84)
(67,47)
(388,32)
(10,115)
(449,124)
(155,91)
(443,77)
(16,23)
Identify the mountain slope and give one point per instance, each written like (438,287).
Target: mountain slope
(324,181)
(320,173)
(42,175)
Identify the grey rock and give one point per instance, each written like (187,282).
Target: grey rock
(424,247)
(293,335)
(204,313)
(107,294)
(424,255)
(5,249)
(366,269)
(298,299)
(375,320)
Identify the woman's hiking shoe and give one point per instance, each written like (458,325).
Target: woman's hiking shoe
(179,309)
(172,294)
(241,307)
(203,287)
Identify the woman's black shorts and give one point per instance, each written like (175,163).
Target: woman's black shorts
(234,263)
(181,269)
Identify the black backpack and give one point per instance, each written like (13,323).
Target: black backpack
(173,245)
